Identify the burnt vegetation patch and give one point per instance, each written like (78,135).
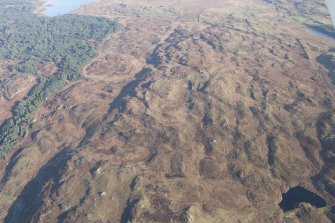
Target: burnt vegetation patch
(162,212)
(309,146)
(176,166)
(207,142)
(272,149)
(209,168)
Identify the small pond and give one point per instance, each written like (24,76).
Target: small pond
(321,34)
(296,195)
(60,7)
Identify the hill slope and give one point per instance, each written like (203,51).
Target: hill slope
(192,112)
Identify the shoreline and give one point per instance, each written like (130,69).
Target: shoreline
(40,7)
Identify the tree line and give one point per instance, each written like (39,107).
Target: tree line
(66,40)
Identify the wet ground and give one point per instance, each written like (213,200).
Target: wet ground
(321,34)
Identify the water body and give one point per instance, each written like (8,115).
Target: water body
(60,7)
(321,34)
(296,195)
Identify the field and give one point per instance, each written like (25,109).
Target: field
(190,111)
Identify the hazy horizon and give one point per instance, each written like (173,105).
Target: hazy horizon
(331,7)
